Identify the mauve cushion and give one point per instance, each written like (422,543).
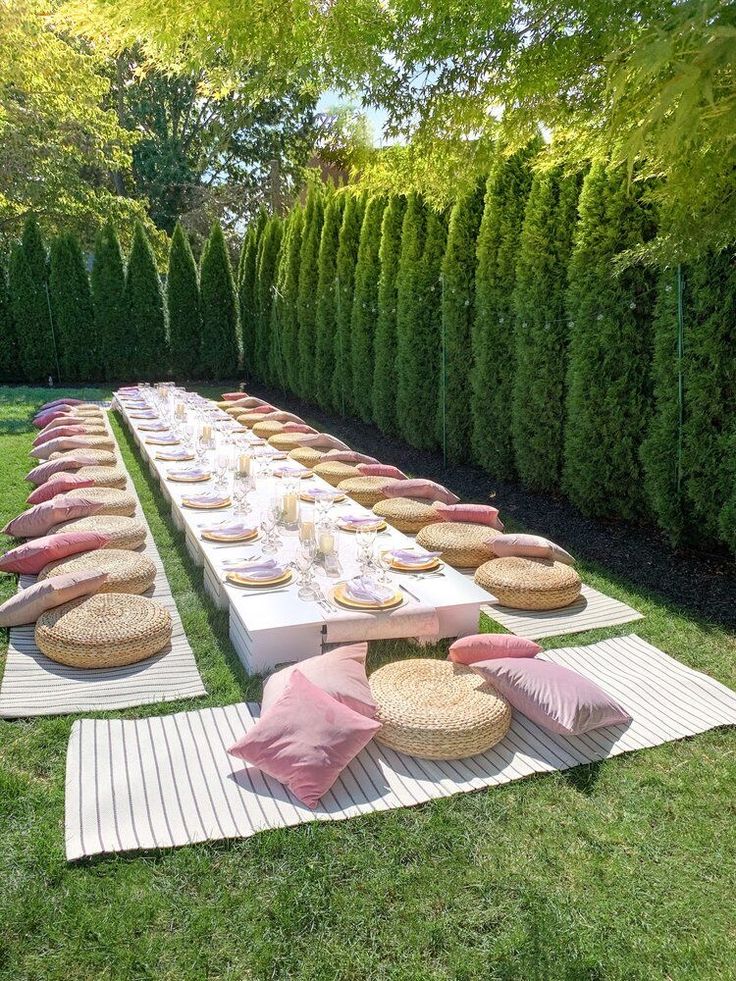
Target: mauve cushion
(59,444)
(323,441)
(70,481)
(551,695)
(31,557)
(381,470)
(62,423)
(488,647)
(347,456)
(340,673)
(40,474)
(41,518)
(250,402)
(287,417)
(305,739)
(66,400)
(264,407)
(46,434)
(477,514)
(421,488)
(298,427)
(45,418)
(232,396)
(530,546)
(28,604)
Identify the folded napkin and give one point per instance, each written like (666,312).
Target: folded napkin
(321,494)
(155,427)
(268,569)
(226,527)
(163,438)
(207,499)
(358,521)
(289,471)
(406,557)
(364,590)
(191,472)
(176,455)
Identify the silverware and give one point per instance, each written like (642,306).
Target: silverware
(409,593)
(254,591)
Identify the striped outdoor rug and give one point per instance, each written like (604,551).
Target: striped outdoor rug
(166,781)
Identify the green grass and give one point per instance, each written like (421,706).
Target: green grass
(619,870)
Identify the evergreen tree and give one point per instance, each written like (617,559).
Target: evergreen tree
(80,354)
(347,259)
(409,313)
(112,322)
(609,390)
(538,407)
(493,328)
(266,268)
(35,251)
(146,335)
(458,306)
(182,303)
(10,370)
(384,362)
(289,290)
(218,350)
(307,297)
(30,312)
(247,292)
(365,307)
(326,321)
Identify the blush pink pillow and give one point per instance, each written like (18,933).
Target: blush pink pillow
(479,514)
(62,422)
(305,739)
(340,673)
(381,470)
(59,402)
(30,558)
(41,518)
(28,604)
(46,417)
(264,407)
(426,489)
(530,546)
(251,402)
(46,434)
(551,695)
(40,474)
(323,440)
(232,396)
(346,456)
(52,488)
(298,427)
(488,647)
(58,445)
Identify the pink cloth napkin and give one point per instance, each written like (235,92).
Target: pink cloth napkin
(189,472)
(234,528)
(207,499)
(358,521)
(365,590)
(269,569)
(413,558)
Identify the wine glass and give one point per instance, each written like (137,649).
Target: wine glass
(269,520)
(304,562)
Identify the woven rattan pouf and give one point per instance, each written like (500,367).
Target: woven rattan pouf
(364,490)
(267,428)
(106,630)
(283,441)
(333,472)
(127,572)
(111,500)
(102,458)
(462,544)
(100,476)
(249,419)
(306,455)
(121,532)
(407,514)
(529,584)
(437,710)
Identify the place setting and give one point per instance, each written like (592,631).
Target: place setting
(207,501)
(263,575)
(189,475)
(229,531)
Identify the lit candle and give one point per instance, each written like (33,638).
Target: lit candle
(206,431)
(326,541)
(291,508)
(244,464)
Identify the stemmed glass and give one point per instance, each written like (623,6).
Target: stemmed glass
(242,486)
(204,445)
(269,520)
(222,461)
(383,562)
(365,538)
(304,562)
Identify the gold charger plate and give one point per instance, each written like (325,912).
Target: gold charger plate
(308,499)
(189,480)
(427,566)
(239,580)
(156,441)
(168,458)
(379,526)
(187,503)
(340,597)
(213,536)
(298,476)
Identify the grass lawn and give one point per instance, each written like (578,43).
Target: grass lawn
(619,870)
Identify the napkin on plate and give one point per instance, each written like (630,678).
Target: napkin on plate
(407,557)
(268,569)
(191,472)
(234,528)
(359,521)
(364,590)
(207,499)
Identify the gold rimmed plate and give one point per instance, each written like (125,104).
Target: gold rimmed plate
(204,505)
(239,579)
(292,474)
(171,458)
(379,525)
(430,565)
(190,478)
(341,596)
(158,441)
(249,535)
(321,496)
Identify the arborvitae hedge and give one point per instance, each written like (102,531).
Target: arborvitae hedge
(365,307)
(35,251)
(384,364)
(182,302)
(146,335)
(307,296)
(609,384)
(347,257)
(248,293)
(266,269)
(108,300)
(289,289)
(410,314)
(458,306)
(10,369)
(79,345)
(284,301)
(30,312)
(218,352)
(324,364)
(542,329)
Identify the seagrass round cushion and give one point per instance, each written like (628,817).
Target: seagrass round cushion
(127,572)
(529,584)
(111,500)
(462,544)
(88,410)
(282,441)
(269,427)
(106,630)
(333,472)
(367,491)
(306,455)
(249,419)
(101,476)
(437,710)
(95,442)
(407,514)
(102,458)
(121,532)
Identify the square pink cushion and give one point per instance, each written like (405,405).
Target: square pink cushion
(28,604)
(62,423)
(340,673)
(324,441)
(40,474)
(305,739)
(532,546)
(46,434)
(420,488)
(232,396)
(488,647)
(59,402)
(66,483)
(264,407)
(381,470)
(479,514)
(551,695)
(298,427)
(250,402)
(60,444)
(30,558)
(41,518)
(45,418)
(346,456)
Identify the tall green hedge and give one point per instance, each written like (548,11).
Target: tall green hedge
(146,335)
(541,338)
(218,352)
(307,294)
(365,307)
(285,328)
(79,345)
(29,306)
(182,302)
(609,387)
(384,364)
(347,257)
(10,369)
(35,251)
(409,312)
(248,292)
(267,266)
(326,318)
(109,303)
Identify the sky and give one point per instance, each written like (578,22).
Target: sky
(376,117)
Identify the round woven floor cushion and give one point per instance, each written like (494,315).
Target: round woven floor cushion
(103,458)
(103,631)
(462,544)
(113,501)
(283,440)
(100,476)
(127,572)
(407,514)
(267,428)
(249,419)
(529,584)
(437,710)
(122,532)
(305,455)
(334,472)
(367,491)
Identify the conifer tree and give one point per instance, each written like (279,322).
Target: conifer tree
(35,251)
(267,261)
(307,297)
(347,258)
(247,292)
(112,322)
(365,307)
(458,307)
(289,290)
(10,370)
(409,311)
(326,321)
(182,302)
(218,351)
(146,336)
(384,363)
(609,389)
(540,357)
(30,312)
(80,354)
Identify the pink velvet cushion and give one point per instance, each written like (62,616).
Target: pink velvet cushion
(45,418)
(340,672)
(59,444)
(40,474)
(69,482)
(533,546)
(63,422)
(287,417)
(251,402)
(31,557)
(264,407)
(478,514)
(232,396)
(381,470)
(305,739)
(420,488)
(324,441)
(66,400)
(28,604)
(41,518)
(297,427)
(346,456)
(488,647)
(551,695)
(46,434)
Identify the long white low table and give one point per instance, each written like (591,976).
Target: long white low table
(273,628)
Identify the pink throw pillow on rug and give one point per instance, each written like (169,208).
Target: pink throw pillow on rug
(59,402)
(264,407)
(323,441)
(340,673)
(288,417)
(63,422)
(305,739)
(251,402)
(28,604)
(488,647)
(551,695)
(347,456)
(530,546)
(381,470)
(479,514)
(40,474)
(46,434)
(69,482)
(423,489)
(41,518)
(30,558)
